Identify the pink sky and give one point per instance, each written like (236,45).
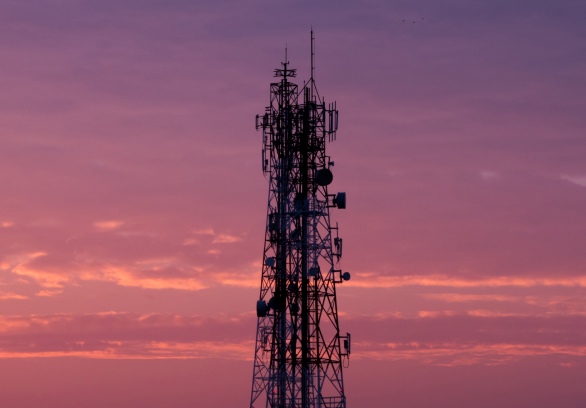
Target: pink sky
(133,204)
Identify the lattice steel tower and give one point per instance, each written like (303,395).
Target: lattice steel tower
(299,352)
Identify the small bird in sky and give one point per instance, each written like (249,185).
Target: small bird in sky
(422,18)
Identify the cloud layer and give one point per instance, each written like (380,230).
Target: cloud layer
(435,338)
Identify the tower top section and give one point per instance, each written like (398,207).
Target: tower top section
(285,72)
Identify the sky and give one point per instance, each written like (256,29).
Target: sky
(133,205)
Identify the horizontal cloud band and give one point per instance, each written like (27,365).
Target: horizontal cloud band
(443,339)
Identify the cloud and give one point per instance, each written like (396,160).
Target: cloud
(39,268)
(455,354)
(48,293)
(218,238)
(125,335)
(438,338)
(144,351)
(208,231)
(172,277)
(244,280)
(424,313)
(12,296)
(104,226)
(225,239)
(480,337)
(579,180)
(53,272)
(371,280)
(489,175)
(474,327)
(456,297)
(490,313)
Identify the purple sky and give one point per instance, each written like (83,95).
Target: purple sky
(133,204)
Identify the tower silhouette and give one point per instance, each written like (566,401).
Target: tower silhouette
(299,353)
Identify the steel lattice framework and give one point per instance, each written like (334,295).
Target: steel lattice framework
(299,352)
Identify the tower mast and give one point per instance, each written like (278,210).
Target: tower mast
(299,352)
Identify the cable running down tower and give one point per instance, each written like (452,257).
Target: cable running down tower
(299,353)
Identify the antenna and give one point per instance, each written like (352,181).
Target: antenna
(312,54)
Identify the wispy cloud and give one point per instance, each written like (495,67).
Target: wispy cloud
(491,313)
(579,180)
(218,238)
(489,175)
(48,277)
(124,336)
(175,277)
(371,280)
(245,280)
(104,226)
(435,338)
(12,296)
(54,273)
(225,239)
(457,297)
(48,293)
(455,354)
(207,231)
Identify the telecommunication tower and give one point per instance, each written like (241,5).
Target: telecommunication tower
(299,353)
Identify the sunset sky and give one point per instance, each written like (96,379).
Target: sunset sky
(133,205)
